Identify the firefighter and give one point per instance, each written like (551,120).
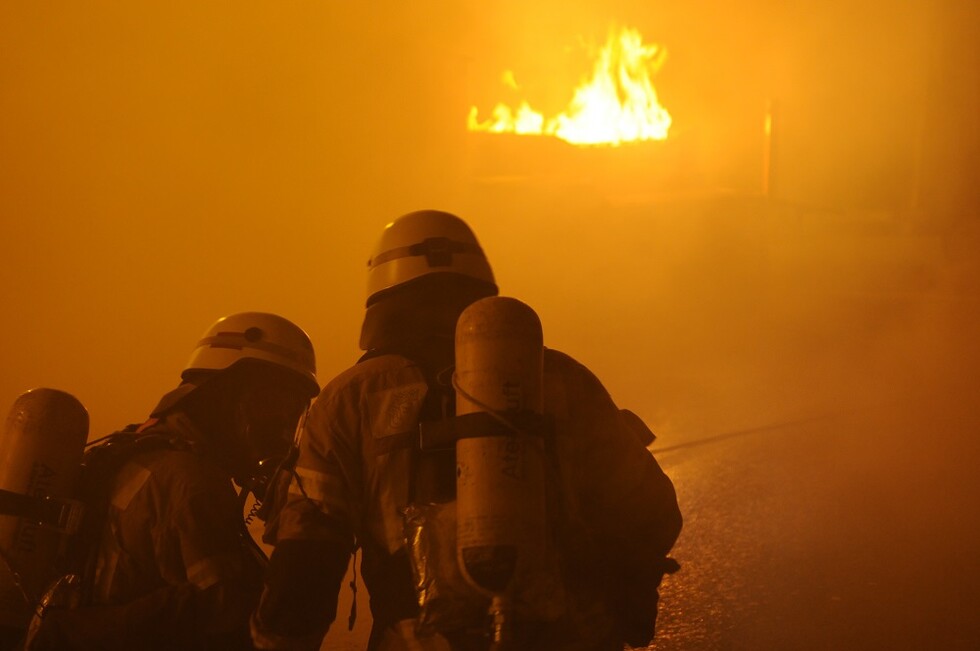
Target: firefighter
(360,470)
(171,564)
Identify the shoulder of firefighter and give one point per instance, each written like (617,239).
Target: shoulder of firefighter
(161,549)
(625,501)
(613,513)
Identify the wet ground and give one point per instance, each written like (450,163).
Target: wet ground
(854,532)
(856,525)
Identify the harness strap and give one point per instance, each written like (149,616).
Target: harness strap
(61,514)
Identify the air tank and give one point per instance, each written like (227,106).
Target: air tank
(41,449)
(500,476)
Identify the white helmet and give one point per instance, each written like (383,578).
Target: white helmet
(422,243)
(255,335)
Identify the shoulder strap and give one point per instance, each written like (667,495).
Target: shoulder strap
(428,470)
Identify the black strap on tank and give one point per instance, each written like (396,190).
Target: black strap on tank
(60,514)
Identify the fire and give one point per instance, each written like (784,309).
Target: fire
(617,104)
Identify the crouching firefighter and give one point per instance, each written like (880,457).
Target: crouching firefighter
(500,498)
(162,559)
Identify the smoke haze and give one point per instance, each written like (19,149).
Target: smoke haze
(164,164)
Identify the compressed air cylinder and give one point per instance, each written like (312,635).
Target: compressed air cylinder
(500,485)
(42,445)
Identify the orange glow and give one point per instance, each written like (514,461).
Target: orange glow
(617,104)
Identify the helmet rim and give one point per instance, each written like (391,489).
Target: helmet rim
(422,243)
(260,336)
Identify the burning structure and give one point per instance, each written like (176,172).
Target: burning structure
(616,104)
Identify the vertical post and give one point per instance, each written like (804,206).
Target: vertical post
(769,135)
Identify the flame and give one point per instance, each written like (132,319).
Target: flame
(617,104)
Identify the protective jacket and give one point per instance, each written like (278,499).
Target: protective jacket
(358,468)
(173,570)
